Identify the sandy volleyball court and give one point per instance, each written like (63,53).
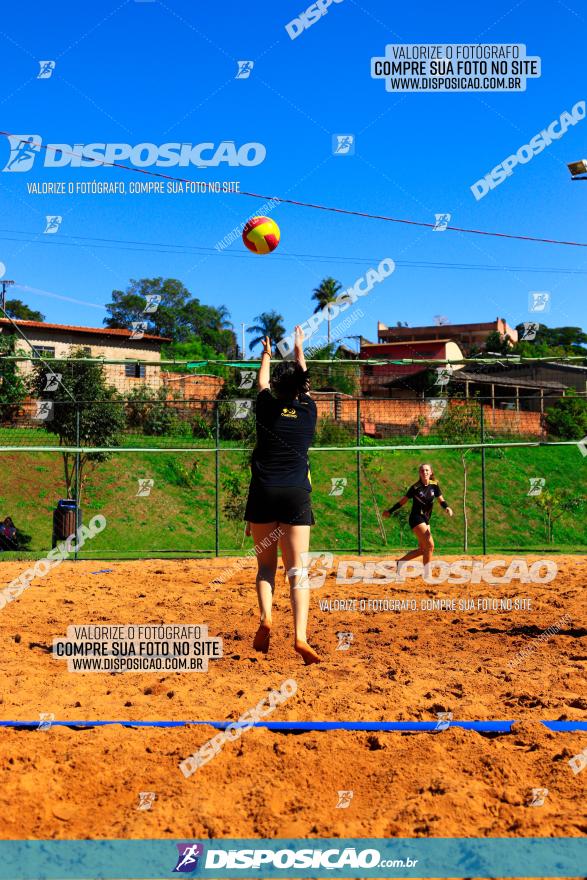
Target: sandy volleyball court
(404,665)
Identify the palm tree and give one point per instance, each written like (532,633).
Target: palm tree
(324,294)
(268,324)
(224,322)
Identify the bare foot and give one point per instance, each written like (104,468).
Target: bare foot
(262,636)
(309,654)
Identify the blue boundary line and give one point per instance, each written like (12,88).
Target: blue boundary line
(414,726)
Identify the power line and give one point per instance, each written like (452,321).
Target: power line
(190,250)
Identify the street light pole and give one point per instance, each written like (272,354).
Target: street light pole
(243,339)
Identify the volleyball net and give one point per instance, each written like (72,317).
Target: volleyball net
(170,471)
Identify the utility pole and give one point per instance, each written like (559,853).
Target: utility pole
(3,295)
(243,339)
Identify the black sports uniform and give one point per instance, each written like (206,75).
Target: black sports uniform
(422,501)
(280,471)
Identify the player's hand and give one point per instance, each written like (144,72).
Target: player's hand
(450,511)
(386,514)
(298,336)
(267,346)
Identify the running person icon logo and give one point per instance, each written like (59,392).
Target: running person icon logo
(188,858)
(23,151)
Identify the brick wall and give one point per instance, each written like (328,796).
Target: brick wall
(389,417)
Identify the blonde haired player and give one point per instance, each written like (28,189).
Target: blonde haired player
(422,494)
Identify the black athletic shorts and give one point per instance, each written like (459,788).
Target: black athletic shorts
(417,518)
(285,504)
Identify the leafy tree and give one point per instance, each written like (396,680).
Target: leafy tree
(100,407)
(192,350)
(552,342)
(555,503)
(567,419)
(341,375)
(268,324)
(324,294)
(498,344)
(15,308)
(178,316)
(13,389)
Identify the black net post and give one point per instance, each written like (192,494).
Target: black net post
(77,480)
(359,514)
(217,483)
(483,483)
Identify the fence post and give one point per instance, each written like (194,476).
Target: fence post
(359,514)
(77,485)
(483,483)
(217,485)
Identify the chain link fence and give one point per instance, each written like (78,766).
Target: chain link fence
(171,475)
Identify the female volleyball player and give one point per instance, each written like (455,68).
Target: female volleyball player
(422,495)
(278,505)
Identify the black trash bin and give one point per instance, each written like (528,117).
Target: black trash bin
(66,517)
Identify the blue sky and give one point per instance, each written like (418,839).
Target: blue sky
(159,72)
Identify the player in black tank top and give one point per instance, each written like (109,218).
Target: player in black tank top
(279,510)
(422,495)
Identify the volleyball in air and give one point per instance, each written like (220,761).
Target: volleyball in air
(261,235)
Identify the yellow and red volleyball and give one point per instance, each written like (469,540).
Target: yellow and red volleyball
(261,235)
